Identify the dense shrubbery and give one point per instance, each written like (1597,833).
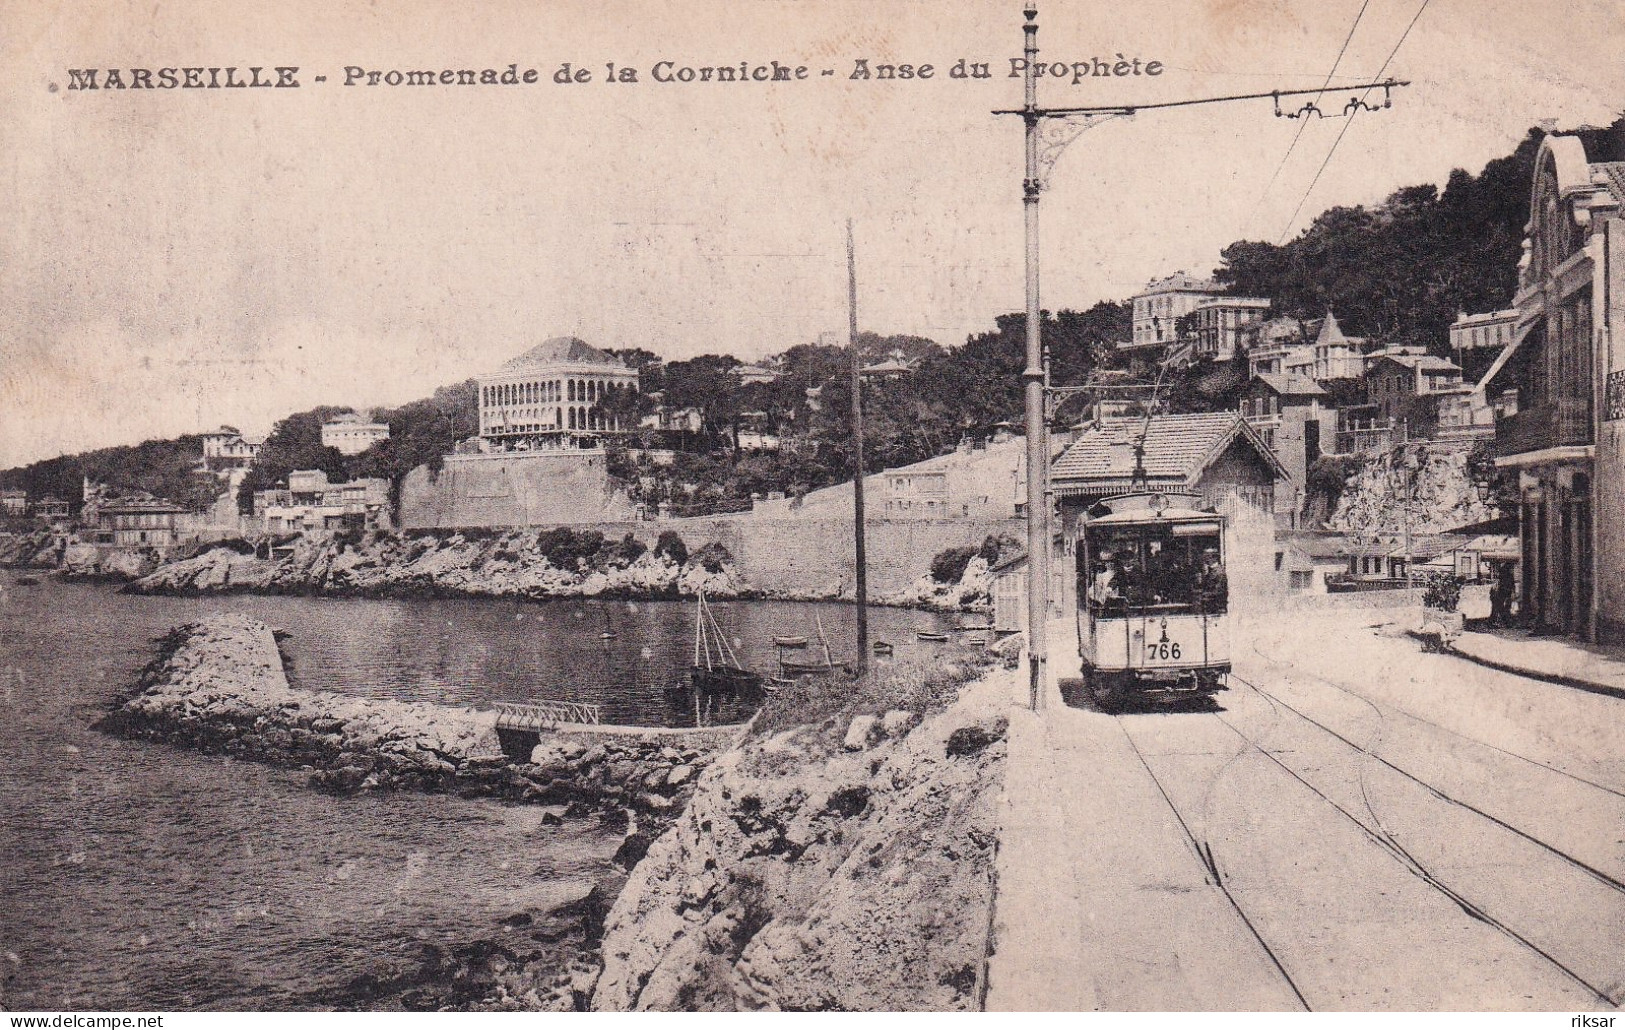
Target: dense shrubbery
(568,549)
(949,565)
(1442,591)
(712,556)
(627,551)
(670,545)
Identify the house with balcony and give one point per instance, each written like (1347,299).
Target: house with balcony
(1408,388)
(141,521)
(310,503)
(1220,325)
(1268,342)
(1566,440)
(1290,414)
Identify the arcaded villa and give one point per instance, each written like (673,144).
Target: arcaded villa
(547,397)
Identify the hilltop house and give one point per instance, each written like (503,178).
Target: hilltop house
(350,434)
(546,398)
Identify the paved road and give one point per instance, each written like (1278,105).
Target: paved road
(1355,825)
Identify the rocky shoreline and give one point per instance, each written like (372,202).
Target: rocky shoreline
(511,564)
(837,856)
(845,864)
(219,686)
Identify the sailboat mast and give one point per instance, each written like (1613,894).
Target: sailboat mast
(699,623)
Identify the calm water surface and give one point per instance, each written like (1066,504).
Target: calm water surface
(139,876)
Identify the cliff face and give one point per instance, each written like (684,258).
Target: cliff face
(1441,499)
(846,865)
(506,565)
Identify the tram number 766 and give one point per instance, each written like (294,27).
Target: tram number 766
(1162,651)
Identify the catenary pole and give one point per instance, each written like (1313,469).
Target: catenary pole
(861,663)
(1038,543)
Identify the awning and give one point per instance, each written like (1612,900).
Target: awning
(1506,355)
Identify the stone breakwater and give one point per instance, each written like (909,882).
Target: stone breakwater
(511,564)
(219,685)
(846,865)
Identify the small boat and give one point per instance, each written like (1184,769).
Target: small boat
(28,581)
(882,648)
(790,641)
(932,636)
(608,633)
(716,669)
(827,667)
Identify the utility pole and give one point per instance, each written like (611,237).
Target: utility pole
(1042,151)
(1038,543)
(862,661)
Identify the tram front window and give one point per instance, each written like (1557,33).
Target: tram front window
(1169,569)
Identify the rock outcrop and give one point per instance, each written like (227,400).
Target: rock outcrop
(846,865)
(31,550)
(511,564)
(83,561)
(972,592)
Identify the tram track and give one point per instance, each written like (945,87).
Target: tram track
(1204,855)
(1379,834)
(1356,695)
(1277,702)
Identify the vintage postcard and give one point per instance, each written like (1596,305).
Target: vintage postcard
(697,505)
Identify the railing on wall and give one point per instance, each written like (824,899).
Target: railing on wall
(539,715)
(1560,422)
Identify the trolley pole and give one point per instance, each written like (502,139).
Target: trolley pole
(1038,536)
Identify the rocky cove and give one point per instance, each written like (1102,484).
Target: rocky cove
(777,860)
(522,563)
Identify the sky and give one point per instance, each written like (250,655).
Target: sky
(171,260)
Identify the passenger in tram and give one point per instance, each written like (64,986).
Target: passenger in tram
(1108,585)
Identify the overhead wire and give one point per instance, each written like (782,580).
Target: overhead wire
(1302,122)
(1350,121)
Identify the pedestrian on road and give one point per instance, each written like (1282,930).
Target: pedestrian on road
(1501,597)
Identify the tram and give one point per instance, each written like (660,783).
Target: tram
(1153,599)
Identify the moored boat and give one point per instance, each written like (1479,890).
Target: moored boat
(716,669)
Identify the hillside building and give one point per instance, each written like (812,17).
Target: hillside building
(227,448)
(349,434)
(547,397)
(309,503)
(14,502)
(1268,343)
(1220,325)
(1164,301)
(134,522)
(1492,329)
(1567,438)
(1408,387)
